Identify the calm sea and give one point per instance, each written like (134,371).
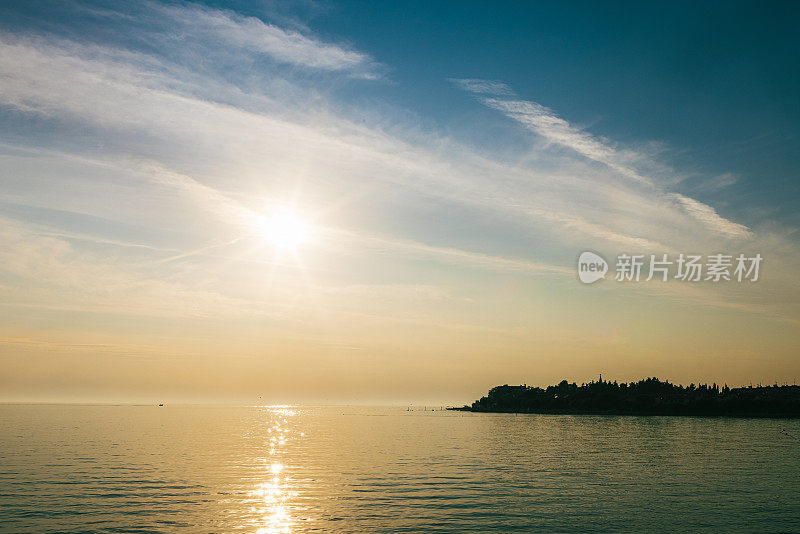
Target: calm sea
(364,470)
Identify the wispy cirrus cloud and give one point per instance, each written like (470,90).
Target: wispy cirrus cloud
(555,129)
(709,217)
(488,87)
(289,46)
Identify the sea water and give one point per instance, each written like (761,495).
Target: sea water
(71,468)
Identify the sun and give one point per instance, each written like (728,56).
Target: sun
(284,229)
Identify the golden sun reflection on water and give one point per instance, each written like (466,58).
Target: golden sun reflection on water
(276,493)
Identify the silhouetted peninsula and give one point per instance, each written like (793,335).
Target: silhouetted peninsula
(645,397)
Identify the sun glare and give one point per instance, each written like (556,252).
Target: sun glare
(285,230)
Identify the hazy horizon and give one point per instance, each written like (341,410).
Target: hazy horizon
(416,404)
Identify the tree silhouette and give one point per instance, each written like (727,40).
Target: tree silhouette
(649,396)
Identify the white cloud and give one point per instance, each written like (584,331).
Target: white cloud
(555,129)
(401,247)
(708,216)
(488,87)
(56,275)
(546,123)
(283,45)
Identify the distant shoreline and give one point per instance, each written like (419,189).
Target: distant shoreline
(708,415)
(648,397)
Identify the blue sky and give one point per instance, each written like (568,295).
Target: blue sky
(718,86)
(450,161)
